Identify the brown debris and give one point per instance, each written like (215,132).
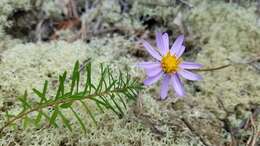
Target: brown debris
(67,24)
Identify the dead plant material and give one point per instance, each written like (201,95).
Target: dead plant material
(255,129)
(257,12)
(23,21)
(69,8)
(252,63)
(185,3)
(214,68)
(171,4)
(44,30)
(252,140)
(178,20)
(147,120)
(154,4)
(246,125)
(195,132)
(125,6)
(67,24)
(153,125)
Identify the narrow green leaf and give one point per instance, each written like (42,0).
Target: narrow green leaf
(102,81)
(111,85)
(120,79)
(128,95)
(54,116)
(24,102)
(109,106)
(109,75)
(89,112)
(98,101)
(116,104)
(8,115)
(39,94)
(65,121)
(66,95)
(66,105)
(62,82)
(88,84)
(122,100)
(49,118)
(74,76)
(38,118)
(45,87)
(99,86)
(105,101)
(100,108)
(77,97)
(79,119)
(77,82)
(26,121)
(128,79)
(104,78)
(60,91)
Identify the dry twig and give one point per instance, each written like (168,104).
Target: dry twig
(228,65)
(194,131)
(153,4)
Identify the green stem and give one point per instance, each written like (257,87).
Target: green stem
(215,68)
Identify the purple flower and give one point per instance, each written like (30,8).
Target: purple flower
(168,65)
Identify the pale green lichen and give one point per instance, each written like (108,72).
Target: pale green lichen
(227,25)
(226,33)
(51,8)
(158,9)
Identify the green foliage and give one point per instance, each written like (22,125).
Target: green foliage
(111,93)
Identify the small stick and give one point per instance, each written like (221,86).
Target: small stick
(227,65)
(186,3)
(193,130)
(215,68)
(155,4)
(166,5)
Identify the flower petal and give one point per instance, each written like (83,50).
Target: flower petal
(190,65)
(150,49)
(177,44)
(165,86)
(153,71)
(148,65)
(165,38)
(151,80)
(177,85)
(180,51)
(189,75)
(159,42)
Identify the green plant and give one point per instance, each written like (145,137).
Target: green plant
(108,94)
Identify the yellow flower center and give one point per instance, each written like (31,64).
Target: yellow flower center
(170,63)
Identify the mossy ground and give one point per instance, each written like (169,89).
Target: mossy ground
(218,33)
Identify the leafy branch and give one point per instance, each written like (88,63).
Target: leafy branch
(111,93)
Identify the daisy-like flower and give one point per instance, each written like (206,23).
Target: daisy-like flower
(168,65)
